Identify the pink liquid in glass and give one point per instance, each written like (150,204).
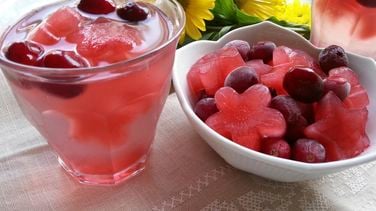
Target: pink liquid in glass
(101,119)
(347,23)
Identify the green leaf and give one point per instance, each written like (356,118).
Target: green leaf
(225,11)
(303,30)
(222,32)
(208,35)
(245,19)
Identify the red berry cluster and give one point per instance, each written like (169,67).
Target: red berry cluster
(30,53)
(130,11)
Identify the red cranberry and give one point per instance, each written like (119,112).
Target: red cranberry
(331,57)
(62,90)
(25,52)
(290,109)
(205,108)
(63,59)
(96,6)
(304,85)
(309,151)
(307,111)
(132,12)
(276,147)
(295,130)
(262,50)
(242,46)
(242,78)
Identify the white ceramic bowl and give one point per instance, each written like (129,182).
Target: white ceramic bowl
(255,162)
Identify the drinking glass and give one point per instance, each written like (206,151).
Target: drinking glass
(100,121)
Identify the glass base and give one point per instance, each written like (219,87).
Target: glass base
(105,180)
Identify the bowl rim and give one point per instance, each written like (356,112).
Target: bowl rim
(286,163)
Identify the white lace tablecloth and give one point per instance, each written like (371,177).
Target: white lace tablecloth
(183,173)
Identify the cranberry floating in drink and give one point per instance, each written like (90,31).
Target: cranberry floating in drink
(25,52)
(96,6)
(132,12)
(94,82)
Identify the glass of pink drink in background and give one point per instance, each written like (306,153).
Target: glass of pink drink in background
(350,24)
(98,101)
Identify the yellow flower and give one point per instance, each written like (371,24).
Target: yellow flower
(297,12)
(262,8)
(196,12)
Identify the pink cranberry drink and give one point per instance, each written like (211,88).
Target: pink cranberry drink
(93,77)
(347,23)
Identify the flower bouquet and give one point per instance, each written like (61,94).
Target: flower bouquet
(211,19)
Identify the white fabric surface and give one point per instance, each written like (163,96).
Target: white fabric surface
(183,173)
